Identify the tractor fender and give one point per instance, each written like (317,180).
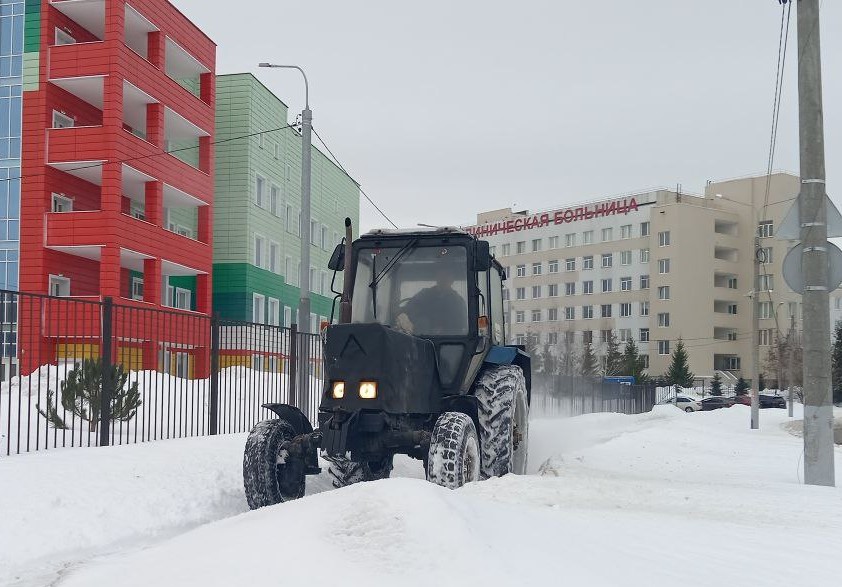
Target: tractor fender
(464,404)
(512,355)
(293,415)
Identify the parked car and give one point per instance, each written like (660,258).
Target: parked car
(744,399)
(772,401)
(685,403)
(717,402)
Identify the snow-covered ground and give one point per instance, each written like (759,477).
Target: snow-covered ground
(663,498)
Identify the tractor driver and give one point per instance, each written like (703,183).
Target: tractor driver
(439,309)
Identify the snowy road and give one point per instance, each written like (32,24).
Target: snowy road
(659,499)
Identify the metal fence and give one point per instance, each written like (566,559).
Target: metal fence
(90,372)
(563,395)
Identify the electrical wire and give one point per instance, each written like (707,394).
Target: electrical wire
(342,167)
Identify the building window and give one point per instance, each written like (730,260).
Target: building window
(258,309)
(276,151)
(732,308)
(552,338)
(644,308)
(607,234)
(537,268)
(625,257)
(570,288)
(570,264)
(275,200)
(765,283)
(625,309)
(663,292)
(182,299)
(536,315)
(288,217)
(137,288)
(259,191)
(287,317)
(587,287)
(625,283)
(644,229)
(644,282)
(314,232)
(663,347)
(664,238)
(644,335)
(507,250)
(275,258)
(520,293)
(59,286)
(663,320)
(259,253)
(587,237)
(274,312)
(604,336)
(625,334)
(764,310)
(536,245)
(505,295)
(587,336)
(64,38)
(521,247)
(536,292)
(644,361)
(62,203)
(765,337)
(61,120)
(552,315)
(325,244)
(521,270)
(607,260)
(766,255)
(663,266)
(520,316)
(569,313)
(607,285)
(733,364)
(552,266)
(793,310)
(626,231)
(644,255)
(605,310)
(587,262)
(553,242)
(570,239)
(765,229)
(552,290)
(587,312)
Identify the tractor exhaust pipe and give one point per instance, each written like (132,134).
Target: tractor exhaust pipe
(347,285)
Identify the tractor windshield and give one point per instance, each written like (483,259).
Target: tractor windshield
(422,290)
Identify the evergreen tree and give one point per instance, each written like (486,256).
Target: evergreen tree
(589,365)
(549,363)
(633,363)
(613,357)
(742,387)
(761,382)
(836,371)
(679,373)
(80,394)
(716,385)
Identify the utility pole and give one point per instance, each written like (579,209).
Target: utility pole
(790,375)
(818,406)
(755,326)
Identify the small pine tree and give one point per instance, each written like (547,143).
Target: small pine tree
(716,385)
(679,373)
(80,394)
(633,363)
(589,365)
(836,371)
(742,387)
(761,382)
(613,357)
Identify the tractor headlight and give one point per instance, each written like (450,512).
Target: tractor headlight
(368,389)
(338,391)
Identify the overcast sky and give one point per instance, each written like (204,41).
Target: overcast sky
(445,108)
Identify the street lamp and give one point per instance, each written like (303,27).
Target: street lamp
(304,273)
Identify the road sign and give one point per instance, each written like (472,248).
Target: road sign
(795,278)
(790,227)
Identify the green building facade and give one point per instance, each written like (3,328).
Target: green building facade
(257,207)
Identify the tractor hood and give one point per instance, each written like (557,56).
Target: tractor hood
(402,366)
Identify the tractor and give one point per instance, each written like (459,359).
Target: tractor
(416,364)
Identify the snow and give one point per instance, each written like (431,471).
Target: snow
(662,498)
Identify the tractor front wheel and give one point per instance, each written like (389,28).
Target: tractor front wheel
(454,458)
(270,476)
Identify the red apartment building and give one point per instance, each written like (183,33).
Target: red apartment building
(117,168)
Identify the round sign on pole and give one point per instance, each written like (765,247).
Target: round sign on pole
(795,278)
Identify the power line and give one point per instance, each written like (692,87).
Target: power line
(342,167)
(783,41)
(141,157)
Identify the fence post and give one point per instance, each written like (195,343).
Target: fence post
(293,362)
(213,425)
(107,391)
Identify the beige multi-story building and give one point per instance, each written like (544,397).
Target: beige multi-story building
(655,267)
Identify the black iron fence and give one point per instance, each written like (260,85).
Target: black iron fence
(563,395)
(90,372)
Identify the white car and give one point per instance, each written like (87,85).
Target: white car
(685,403)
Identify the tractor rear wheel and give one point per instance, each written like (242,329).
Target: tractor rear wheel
(503,420)
(453,459)
(343,471)
(269,476)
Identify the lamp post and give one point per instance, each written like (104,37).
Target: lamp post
(304,273)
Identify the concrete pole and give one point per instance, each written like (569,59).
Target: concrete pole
(304,302)
(818,406)
(789,369)
(755,328)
